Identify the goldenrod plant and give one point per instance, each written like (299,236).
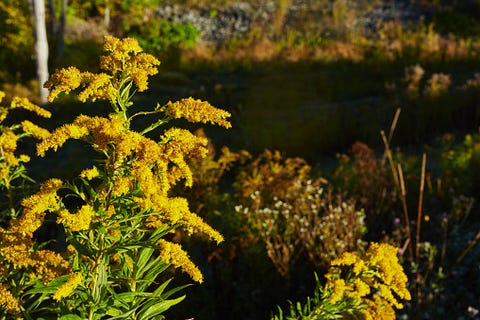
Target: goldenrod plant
(13,174)
(365,287)
(119,234)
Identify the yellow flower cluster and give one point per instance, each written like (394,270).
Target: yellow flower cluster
(174,254)
(78,221)
(17,239)
(90,174)
(376,280)
(17,243)
(197,111)
(8,145)
(155,166)
(34,130)
(124,61)
(24,103)
(125,56)
(8,301)
(9,136)
(74,280)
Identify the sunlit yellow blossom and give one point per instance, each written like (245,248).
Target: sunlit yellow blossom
(148,182)
(194,223)
(90,174)
(99,86)
(3,113)
(24,103)
(8,145)
(16,249)
(378,309)
(338,290)
(197,111)
(23,158)
(174,254)
(8,301)
(34,130)
(384,257)
(35,207)
(49,265)
(377,275)
(2,95)
(59,136)
(140,67)
(63,80)
(8,140)
(121,186)
(78,221)
(68,287)
(4,173)
(120,49)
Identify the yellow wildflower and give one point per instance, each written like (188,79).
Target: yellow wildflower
(193,223)
(121,186)
(35,206)
(140,67)
(23,158)
(8,301)
(378,309)
(59,136)
(120,49)
(8,145)
(63,80)
(24,103)
(34,130)
(174,254)
(338,290)
(89,174)
(384,257)
(197,111)
(99,86)
(68,287)
(79,221)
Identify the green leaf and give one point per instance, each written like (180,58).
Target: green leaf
(100,283)
(70,317)
(155,307)
(143,259)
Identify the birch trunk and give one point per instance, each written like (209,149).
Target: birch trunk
(41,47)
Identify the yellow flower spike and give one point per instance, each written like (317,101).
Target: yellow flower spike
(197,111)
(24,103)
(140,68)
(174,254)
(90,174)
(68,287)
(35,206)
(194,223)
(8,141)
(8,301)
(78,221)
(122,186)
(59,136)
(63,80)
(34,130)
(339,287)
(99,86)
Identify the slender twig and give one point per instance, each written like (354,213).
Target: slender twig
(403,198)
(420,208)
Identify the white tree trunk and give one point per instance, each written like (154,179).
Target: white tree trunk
(41,47)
